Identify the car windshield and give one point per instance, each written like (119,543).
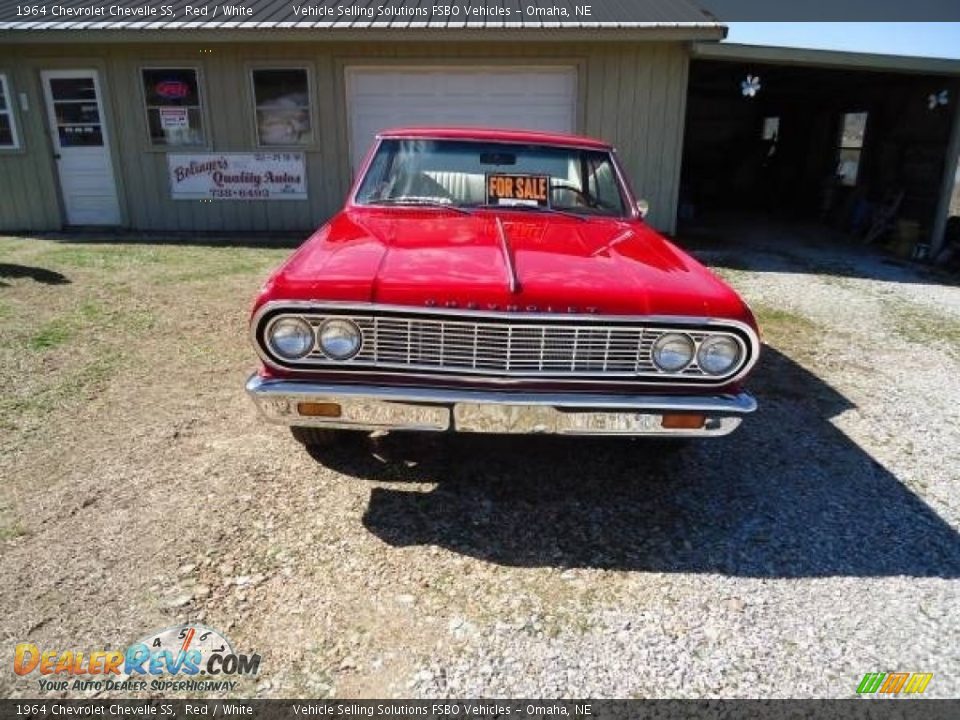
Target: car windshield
(467,174)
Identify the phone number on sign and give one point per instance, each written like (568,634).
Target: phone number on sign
(229,193)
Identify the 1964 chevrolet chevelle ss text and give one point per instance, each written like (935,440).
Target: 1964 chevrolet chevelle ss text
(498,281)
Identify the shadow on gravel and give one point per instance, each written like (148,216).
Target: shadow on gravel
(766,244)
(787,495)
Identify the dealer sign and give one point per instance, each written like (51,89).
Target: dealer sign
(237,176)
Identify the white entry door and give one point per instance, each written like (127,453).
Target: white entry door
(80,144)
(526,98)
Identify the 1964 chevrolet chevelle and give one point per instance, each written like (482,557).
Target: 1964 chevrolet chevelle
(503,282)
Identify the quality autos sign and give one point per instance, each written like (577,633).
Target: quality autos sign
(237,176)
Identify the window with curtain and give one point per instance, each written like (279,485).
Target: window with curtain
(282,106)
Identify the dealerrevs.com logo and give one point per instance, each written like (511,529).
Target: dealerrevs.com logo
(185,657)
(894,683)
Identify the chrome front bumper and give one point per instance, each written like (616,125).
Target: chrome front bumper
(365,407)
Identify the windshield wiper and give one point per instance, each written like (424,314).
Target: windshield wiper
(420,202)
(529,208)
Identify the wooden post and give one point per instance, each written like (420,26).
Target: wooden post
(949,178)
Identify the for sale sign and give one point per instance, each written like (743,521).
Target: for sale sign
(518,190)
(237,176)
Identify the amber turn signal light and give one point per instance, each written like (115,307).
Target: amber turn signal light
(683,421)
(315,409)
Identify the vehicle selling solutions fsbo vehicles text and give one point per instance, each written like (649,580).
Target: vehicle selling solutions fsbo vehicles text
(447,10)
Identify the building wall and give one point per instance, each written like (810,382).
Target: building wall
(28,192)
(630,94)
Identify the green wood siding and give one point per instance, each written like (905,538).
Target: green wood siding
(28,190)
(632,94)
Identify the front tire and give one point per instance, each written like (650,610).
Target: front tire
(666,447)
(314,438)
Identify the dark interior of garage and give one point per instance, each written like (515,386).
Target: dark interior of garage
(860,151)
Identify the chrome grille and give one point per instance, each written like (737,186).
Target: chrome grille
(502,348)
(494,346)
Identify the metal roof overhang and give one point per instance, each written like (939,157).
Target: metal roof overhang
(835,59)
(303,32)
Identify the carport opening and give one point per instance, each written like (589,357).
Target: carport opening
(835,147)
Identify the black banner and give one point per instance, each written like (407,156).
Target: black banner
(451,14)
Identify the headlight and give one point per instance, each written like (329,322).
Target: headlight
(339,339)
(673,352)
(291,338)
(717,354)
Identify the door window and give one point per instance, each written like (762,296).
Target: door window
(75,112)
(850,147)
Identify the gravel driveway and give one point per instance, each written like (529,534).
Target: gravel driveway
(816,544)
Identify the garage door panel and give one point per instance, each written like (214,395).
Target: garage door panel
(530,98)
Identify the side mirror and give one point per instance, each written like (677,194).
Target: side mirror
(643,207)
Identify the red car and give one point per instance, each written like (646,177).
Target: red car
(498,281)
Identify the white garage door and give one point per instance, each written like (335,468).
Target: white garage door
(525,98)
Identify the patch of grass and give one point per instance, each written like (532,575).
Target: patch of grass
(238,263)
(90,311)
(779,316)
(89,319)
(73,345)
(115,257)
(781,320)
(790,332)
(164,264)
(54,333)
(69,387)
(12,530)
(918,324)
(13,244)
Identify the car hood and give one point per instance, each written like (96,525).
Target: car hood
(443,258)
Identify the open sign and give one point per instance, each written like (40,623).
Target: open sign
(172,89)
(518,189)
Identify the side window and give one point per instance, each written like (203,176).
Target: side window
(770,134)
(850,147)
(603,184)
(281,98)
(771,128)
(9,140)
(174,106)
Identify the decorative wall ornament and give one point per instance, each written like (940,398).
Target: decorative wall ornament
(934,100)
(750,86)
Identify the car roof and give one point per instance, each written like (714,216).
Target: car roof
(495,135)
